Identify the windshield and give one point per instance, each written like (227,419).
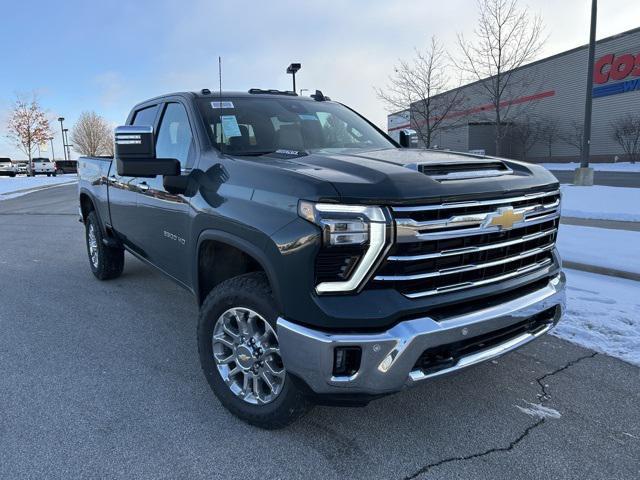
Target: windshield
(5,160)
(255,126)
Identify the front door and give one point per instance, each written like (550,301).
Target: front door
(163,228)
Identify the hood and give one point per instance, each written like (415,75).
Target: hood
(395,175)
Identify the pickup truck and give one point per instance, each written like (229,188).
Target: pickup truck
(42,166)
(329,264)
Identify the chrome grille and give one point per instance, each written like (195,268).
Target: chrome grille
(460,245)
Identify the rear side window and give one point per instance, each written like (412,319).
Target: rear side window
(146,116)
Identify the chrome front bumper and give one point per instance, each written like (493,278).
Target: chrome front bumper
(389,358)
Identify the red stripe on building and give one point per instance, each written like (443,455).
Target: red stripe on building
(489,106)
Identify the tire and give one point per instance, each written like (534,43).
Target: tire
(54,174)
(250,292)
(48,174)
(108,262)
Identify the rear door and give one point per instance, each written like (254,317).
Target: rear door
(123,190)
(163,218)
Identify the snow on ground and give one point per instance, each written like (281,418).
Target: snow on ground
(603,314)
(599,167)
(600,202)
(618,249)
(16,186)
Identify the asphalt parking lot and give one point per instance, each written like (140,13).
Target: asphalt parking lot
(102,379)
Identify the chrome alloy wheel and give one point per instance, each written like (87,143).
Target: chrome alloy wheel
(246,352)
(93,246)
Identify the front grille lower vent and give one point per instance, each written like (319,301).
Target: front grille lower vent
(461,245)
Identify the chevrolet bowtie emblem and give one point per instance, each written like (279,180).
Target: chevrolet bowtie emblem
(504,218)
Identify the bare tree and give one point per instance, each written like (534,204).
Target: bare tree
(507,37)
(92,135)
(526,133)
(549,134)
(28,127)
(626,131)
(573,135)
(419,86)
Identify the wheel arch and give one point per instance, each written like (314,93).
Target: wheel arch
(247,257)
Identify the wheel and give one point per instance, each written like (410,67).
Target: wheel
(54,174)
(240,354)
(12,175)
(106,262)
(48,174)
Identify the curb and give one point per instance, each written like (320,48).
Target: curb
(611,272)
(596,223)
(37,189)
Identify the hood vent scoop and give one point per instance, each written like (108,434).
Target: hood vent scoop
(462,170)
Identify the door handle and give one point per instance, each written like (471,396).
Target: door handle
(143,187)
(112,179)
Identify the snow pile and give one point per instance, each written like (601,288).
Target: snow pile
(599,202)
(603,314)
(16,186)
(618,249)
(598,167)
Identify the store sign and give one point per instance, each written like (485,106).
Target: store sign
(612,67)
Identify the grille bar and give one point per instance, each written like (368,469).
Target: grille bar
(475,203)
(479,283)
(409,234)
(465,268)
(474,219)
(460,251)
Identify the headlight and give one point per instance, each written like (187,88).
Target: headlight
(355,235)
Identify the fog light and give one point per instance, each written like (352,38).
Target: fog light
(386,364)
(346,361)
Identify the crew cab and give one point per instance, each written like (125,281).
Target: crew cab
(7,168)
(330,265)
(42,166)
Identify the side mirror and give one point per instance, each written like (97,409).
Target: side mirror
(135,153)
(404,139)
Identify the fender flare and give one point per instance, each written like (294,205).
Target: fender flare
(247,247)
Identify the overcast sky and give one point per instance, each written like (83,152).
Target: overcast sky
(107,55)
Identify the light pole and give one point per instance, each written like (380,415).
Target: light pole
(292,69)
(53,154)
(64,143)
(584,174)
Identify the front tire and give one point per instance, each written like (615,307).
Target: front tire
(106,262)
(240,354)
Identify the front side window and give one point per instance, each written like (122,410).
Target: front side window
(174,139)
(146,116)
(255,126)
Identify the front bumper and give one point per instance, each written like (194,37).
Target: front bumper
(388,362)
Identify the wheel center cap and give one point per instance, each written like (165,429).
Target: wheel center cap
(245,357)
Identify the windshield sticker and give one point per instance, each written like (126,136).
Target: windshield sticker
(230,126)
(222,105)
(307,116)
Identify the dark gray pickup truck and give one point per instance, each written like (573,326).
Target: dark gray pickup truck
(330,265)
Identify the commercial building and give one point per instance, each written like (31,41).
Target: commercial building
(551,92)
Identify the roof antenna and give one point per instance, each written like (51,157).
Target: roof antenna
(220,102)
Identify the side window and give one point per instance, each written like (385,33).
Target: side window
(174,139)
(146,116)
